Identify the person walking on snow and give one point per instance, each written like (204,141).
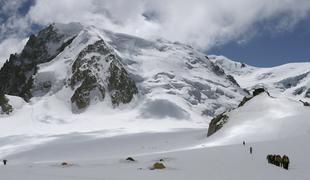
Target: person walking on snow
(4,161)
(251,150)
(285,162)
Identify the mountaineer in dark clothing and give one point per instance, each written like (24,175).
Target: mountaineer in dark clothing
(251,150)
(243,143)
(285,162)
(278,161)
(4,161)
(269,158)
(274,159)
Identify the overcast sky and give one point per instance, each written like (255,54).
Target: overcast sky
(240,29)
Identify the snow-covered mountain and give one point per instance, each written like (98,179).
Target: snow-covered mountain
(81,66)
(290,80)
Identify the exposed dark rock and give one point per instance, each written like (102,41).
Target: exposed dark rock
(16,75)
(256,92)
(300,90)
(96,70)
(64,164)
(130,159)
(232,79)
(82,95)
(259,91)
(217,123)
(5,107)
(244,100)
(121,87)
(217,70)
(305,103)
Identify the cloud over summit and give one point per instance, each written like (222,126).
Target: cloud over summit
(202,23)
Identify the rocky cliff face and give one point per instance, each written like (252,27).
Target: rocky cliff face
(98,70)
(5,107)
(16,75)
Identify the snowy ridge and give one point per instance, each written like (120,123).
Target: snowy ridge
(263,118)
(291,80)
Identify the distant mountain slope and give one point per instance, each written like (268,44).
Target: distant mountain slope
(291,80)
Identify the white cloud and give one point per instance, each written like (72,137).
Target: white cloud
(10,46)
(202,23)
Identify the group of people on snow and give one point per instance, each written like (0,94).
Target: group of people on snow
(274,159)
(277,160)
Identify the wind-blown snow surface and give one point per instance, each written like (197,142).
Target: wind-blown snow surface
(230,162)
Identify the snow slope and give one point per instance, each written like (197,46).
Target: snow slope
(223,162)
(264,118)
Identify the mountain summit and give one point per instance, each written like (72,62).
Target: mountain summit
(85,65)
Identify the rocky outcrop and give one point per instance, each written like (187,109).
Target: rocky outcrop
(121,87)
(98,70)
(256,92)
(301,90)
(305,103)
(16,75)
(5,107)
(217,123)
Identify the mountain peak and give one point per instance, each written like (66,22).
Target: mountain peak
(91,65)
